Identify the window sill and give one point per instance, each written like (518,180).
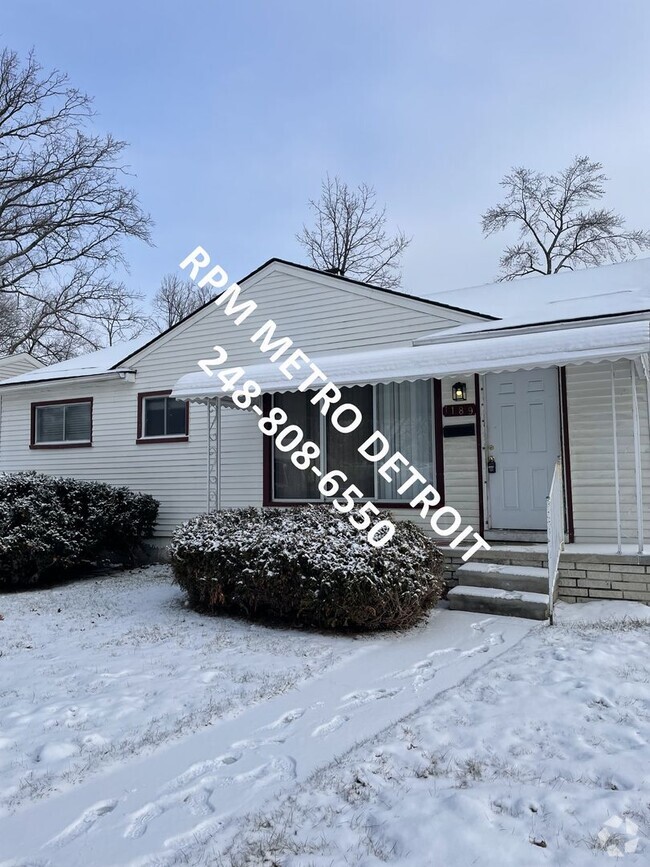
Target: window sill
(60,445)
(146,441)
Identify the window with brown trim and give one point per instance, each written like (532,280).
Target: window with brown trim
(60,424)
(161,418)
(407,413)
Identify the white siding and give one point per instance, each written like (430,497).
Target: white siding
(460,459)
(319,314)
(592,444)
(14,365)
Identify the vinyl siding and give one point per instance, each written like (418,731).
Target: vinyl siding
(14,365)
(592,443)
(320,315)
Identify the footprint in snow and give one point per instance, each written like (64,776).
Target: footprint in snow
(480,625)
(442,652)
(286,718)
(329,727)
(197,798)
(353,699)
(200,769)
(480,648)
(84,823)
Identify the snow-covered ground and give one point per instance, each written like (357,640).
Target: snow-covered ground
(96,672)
(541,758)
(136,732)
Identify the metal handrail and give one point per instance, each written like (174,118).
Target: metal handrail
(555,533)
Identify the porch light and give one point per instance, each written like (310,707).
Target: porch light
(459,391)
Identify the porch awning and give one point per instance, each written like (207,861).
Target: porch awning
(488,355)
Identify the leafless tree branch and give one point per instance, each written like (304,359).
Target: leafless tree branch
(558,227)
(349,236)
(64,212)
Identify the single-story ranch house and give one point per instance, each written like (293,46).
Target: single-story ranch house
(495,393)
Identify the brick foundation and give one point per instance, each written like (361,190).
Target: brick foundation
(581,577)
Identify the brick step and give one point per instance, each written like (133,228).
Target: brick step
(531,579)
(490,600)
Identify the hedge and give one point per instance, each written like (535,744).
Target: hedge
(53,527)
(306,566)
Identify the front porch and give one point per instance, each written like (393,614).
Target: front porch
(585,571)
(570,404)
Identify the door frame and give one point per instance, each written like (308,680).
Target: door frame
(482,457)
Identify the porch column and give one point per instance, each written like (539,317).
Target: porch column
(617,489)
(638,475)
(214,454)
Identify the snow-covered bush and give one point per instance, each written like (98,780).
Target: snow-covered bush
(51,527)
(307,566)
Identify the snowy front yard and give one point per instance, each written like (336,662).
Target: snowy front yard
(136,732)
(534,760)
(96,672)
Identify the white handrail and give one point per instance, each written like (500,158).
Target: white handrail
(555,533)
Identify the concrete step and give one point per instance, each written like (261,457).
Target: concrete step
(531,579)
(490,600)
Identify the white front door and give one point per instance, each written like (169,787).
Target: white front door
(523,444)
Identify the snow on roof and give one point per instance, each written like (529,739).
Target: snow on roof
(408,363)
(588,293)
(91,364)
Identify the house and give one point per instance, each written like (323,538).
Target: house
(495,393)
(13,365)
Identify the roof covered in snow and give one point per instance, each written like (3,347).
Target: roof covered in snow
(571,296)
(102,361)
(590,293)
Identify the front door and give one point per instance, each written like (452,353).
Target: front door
(523,435)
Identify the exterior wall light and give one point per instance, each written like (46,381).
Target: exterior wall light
(459,391)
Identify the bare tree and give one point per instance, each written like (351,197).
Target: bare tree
(64,211)
(349,236)
(177,298)
(557,228)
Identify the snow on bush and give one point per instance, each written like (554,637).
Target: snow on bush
(307,566)
(51,527)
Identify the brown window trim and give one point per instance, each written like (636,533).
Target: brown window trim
(146,441)
(71,445)
(267,459)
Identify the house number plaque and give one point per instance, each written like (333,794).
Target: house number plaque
(456,409)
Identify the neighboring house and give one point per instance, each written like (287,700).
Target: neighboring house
(544,369)
(13,365)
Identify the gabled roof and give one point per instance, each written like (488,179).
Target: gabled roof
(116,359)
(321,275)
(21,356)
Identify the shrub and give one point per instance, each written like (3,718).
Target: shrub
(306,566)
(51,527)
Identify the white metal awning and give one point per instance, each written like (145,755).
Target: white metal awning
(560,347)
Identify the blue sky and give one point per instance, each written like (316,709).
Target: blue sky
(235,111)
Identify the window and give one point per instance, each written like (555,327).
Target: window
(403,412)
(62,424)
(162,418)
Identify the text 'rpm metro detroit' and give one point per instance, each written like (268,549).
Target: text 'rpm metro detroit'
(395,468)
